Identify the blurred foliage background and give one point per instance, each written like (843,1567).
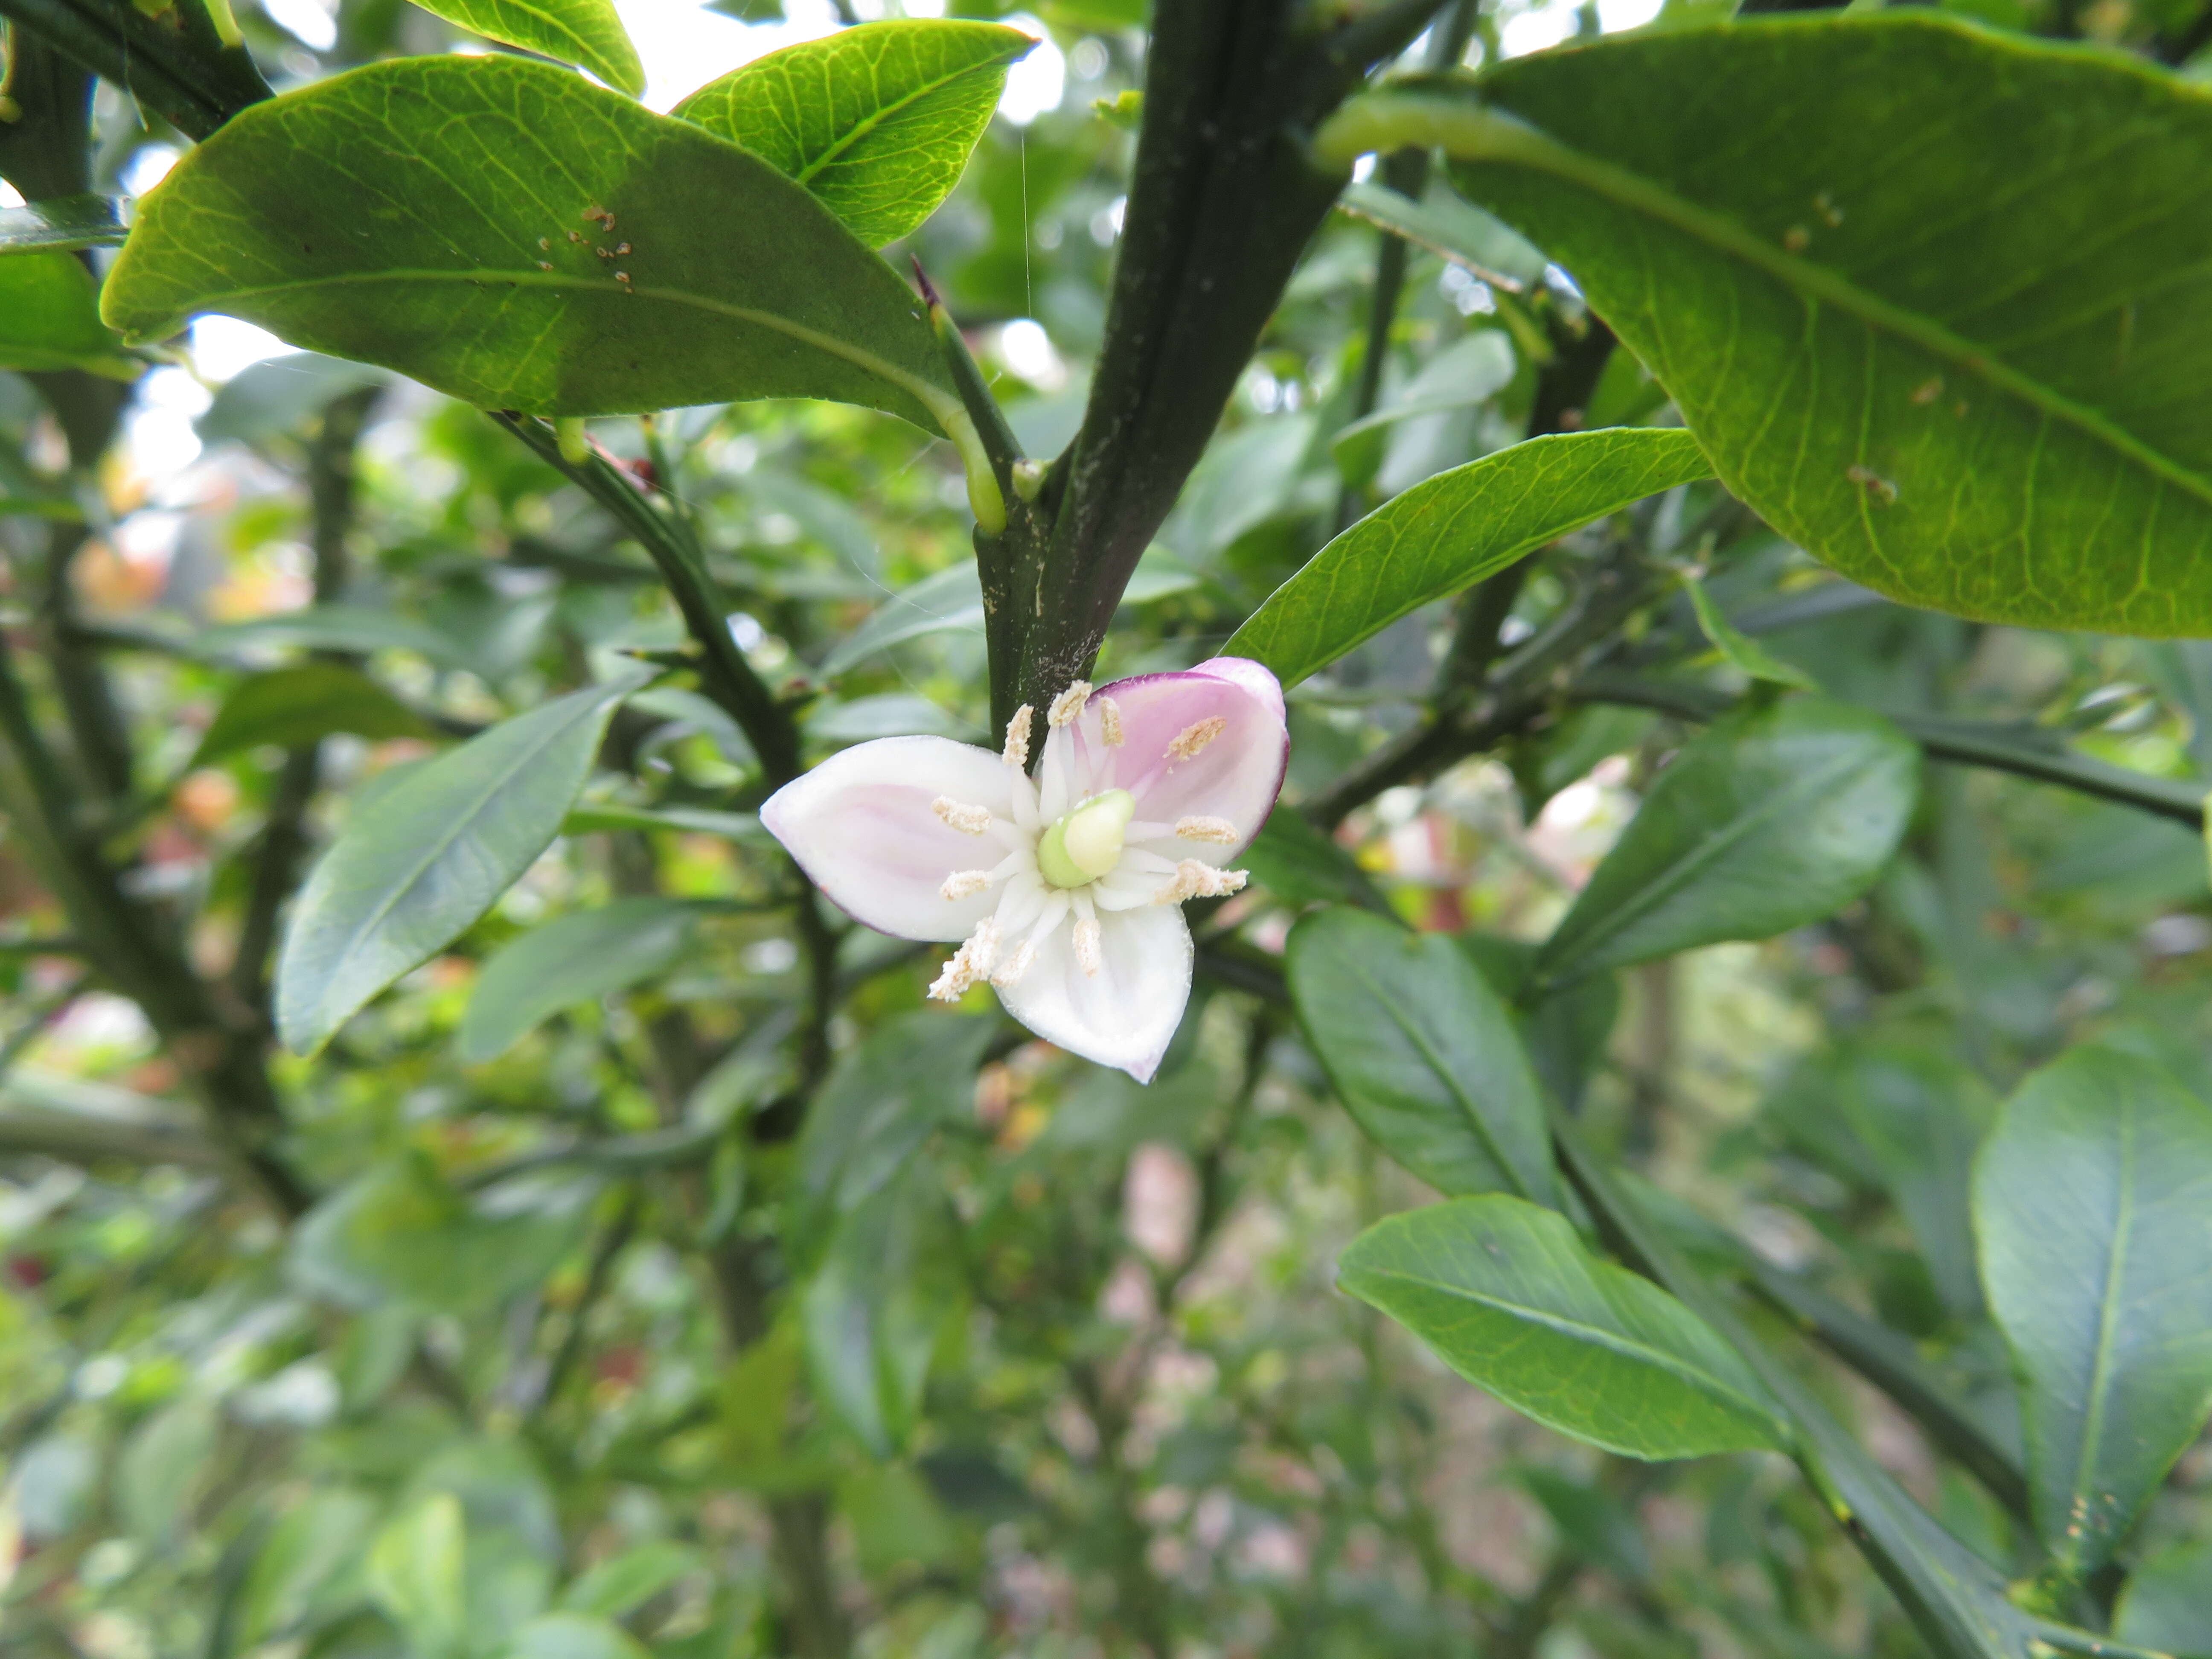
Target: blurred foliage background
(558,1365)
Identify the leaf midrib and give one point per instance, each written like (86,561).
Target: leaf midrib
(1468,1110)
(2101,1368)
(1670,881)
(438,847)
(1482,135)
(1627,1348)
(860,130)
(938,403)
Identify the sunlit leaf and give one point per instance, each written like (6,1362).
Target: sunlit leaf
(588,32)
(875,121)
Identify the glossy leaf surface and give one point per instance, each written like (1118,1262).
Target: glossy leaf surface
(429,856)
(1422,1053)
(586,33)
(1955,339)
(468,254)
(578,958)
(61,223)
(2093,1202)
(877,121)
(1769,820)
(1509,1297)
(1453,530)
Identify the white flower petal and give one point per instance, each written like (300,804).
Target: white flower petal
(1235,774)
(862,826)
(1125,1014)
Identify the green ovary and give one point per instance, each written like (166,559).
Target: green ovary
(1084,845)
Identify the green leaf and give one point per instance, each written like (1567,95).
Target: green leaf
(879,1301)
(61,224)
(2167,1604)
(292,707)
(50,316)
(2092,1202)
(573,1636)
(1742,653)
(267,399)
(399,1234)
(875,121)
(349,627)
(578,958)
(587,33)
(163,1464)
(1453,530)
(1301,865)
(945,599)
(415,1575)
(317,1539)
(1451,228)
(1895,337)
(1506,1295)
(885,1098)
(623,1583)
(1773,818)
(395,214)
(1421,1052)
(430,856)
(683,820)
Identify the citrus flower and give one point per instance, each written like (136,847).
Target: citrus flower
(1065,891)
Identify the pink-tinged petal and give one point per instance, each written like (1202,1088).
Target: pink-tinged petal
(863,826)
(1234,775)
(1125,1014)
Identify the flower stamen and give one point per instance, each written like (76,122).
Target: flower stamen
(969,965)
(1017,752)
(1195,736)
(1110,723)
(1087,952)
(1205,829)
(964,884)
(959,815)
(1195,880)
(1068,704)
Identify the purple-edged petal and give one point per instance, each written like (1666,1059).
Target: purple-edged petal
(1125,1014)
(1235,775)
(863,826)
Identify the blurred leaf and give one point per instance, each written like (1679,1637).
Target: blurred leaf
(348,628)
(623,1583)
(1421,1052)
(2090,1198)
(510,1582)
(430,856)
(315,1540)
(577,958)
(892,714)
(588,32)
(1775,818)
(396,1234)
(1742,653)
(1450,228)
(886,1095)
(1902,365)
(1592,1522)
(1921,1114)
(50,316)
(466,256)
(1302,866)
(685,820)
(162,1465)
(695,712)
(950,598)
(1506,1295)
(1451,531)
(61,224)
(573,1636)
(292,707)
(416,1574)
(1468,372)
(2167,1604)
(268,399)
(875,121)
(879,1300)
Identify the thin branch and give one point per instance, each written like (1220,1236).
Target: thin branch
(175,64)
(89,1142)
